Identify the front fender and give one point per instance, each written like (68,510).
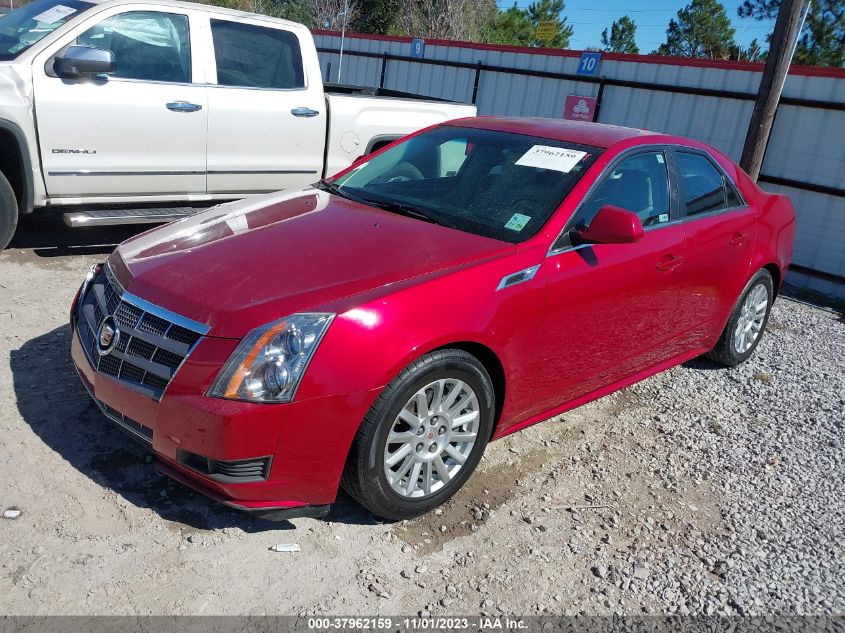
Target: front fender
(369,344)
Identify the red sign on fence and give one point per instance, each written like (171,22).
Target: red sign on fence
(579,108)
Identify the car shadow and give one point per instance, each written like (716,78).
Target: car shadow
(53,402)
(703,363)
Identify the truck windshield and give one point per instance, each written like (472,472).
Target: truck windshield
(23,27)
(491,183)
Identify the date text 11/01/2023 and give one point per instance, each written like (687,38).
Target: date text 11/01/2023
(475,623)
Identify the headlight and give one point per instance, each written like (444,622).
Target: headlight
(269,362)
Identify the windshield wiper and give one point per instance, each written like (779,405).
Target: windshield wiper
(404,209)
(387,205)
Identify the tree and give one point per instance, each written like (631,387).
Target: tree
(329,14)
(377,16)
(822,41)
(702,29)
(622,39)
(510,27)
(752,53)
(547,11)
(446,19)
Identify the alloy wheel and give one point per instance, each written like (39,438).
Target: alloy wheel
(431,438)
(751,318)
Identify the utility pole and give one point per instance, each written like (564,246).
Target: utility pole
(788,26)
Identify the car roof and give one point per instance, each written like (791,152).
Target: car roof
(581,132)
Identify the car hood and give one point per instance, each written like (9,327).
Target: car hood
(243,264)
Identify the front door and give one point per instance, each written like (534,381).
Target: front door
(267,118)
(139,131)
(610,307)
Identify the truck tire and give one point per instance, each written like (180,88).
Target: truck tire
(8,212)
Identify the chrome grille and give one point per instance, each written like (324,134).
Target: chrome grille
(151,345)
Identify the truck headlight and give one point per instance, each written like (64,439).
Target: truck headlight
(268,364)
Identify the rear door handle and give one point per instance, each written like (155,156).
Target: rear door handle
(307,112)
(183,106)
(668,262)
(738,239)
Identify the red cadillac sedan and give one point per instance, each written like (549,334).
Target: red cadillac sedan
(376,330)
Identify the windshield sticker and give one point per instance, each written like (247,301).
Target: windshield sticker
(659,158)
(556,158)
(663,217)
(55,14)
(518,222)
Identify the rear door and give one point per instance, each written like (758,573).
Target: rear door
(610,307)
(267,117)
(139,131)
(720,231)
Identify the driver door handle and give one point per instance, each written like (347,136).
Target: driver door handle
(738,239)
(669,262)
(183,106)
(307,112)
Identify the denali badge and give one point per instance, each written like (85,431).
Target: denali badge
(74,151)
(107,336)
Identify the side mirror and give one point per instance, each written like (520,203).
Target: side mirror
(612,225)
(84,61)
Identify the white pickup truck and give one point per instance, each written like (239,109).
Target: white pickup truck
(120,111)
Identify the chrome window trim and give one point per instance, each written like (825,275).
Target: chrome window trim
(642,149)
(683,217)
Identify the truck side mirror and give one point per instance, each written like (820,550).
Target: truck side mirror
(84,61)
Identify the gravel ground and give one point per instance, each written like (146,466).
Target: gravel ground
(701,490)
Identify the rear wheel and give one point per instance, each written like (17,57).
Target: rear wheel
(423,437)
(748,319)
(8,212)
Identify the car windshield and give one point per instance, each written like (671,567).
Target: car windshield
(23,27)
(496,184)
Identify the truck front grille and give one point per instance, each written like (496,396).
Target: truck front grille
(152,342)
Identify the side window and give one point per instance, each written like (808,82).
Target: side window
(451,155)
(146,45)
(252,56)
(639,184)
(705,189)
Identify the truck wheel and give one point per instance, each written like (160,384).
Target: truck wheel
(423,436)
(8,212)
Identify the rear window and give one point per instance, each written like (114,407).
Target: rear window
(252,56)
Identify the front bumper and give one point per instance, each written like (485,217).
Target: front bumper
(305,444)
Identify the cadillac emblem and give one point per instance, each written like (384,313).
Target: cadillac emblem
(107,336)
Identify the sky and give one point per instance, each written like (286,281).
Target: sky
(589,19)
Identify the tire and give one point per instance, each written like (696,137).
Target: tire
(424,437)
(8,212)
(730,349)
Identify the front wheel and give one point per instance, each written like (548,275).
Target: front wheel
(8,212)
(748,319)
(423,437)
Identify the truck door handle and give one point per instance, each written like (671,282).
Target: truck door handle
(668,262)
(304,112)
(183,106)
(738,239)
